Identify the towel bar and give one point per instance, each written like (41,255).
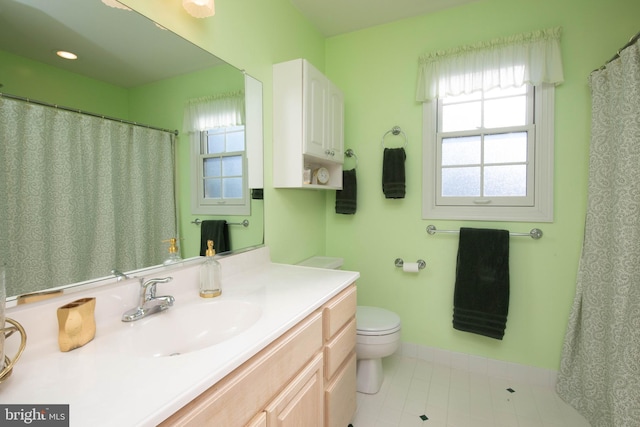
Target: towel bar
(244,223)
(535,233)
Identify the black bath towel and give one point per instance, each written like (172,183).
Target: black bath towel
(218,231)
(393,176)
(481,296)
(257,194)
(346,199)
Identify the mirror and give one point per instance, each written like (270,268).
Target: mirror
(132,69)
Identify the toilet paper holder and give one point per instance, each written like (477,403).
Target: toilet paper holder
(421,263)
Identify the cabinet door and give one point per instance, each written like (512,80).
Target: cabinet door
(335,129)
(301,402)
(315,100)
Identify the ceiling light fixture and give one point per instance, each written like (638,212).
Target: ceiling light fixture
(116,4)
(66,55)
(199,8)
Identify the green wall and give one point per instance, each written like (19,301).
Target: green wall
(377,70)
(32,79)
(252,35)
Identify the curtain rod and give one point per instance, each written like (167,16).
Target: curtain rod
(631,41)
(86,113)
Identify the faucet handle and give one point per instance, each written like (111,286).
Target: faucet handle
(151,286)
(157,280)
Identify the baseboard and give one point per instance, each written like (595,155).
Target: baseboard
(482,365)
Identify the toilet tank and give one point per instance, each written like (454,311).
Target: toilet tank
(332,263)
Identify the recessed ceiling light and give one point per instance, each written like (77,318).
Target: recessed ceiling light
(66,55)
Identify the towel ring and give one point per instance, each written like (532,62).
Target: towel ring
(395,131)
(350,153)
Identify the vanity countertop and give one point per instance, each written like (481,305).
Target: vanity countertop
(106,385)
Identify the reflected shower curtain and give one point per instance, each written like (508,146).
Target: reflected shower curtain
(80,196)
(600,368)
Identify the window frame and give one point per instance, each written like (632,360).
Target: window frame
(199,203)
(541,209)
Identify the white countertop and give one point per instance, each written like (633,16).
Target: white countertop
(106,386)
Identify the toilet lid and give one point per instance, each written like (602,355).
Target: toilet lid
(376,321)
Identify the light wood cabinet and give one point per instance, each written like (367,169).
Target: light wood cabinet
(340,395)
(305,378)
(259,420)
(236,399)
(308,126)
(300,404)
(339,336)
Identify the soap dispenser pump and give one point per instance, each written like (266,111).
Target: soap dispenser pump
(173,252)
(210,274)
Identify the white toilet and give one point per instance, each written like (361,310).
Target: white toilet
(378,335)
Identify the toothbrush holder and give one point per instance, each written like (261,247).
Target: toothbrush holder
(76,323)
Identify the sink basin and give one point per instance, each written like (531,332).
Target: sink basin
(190,327)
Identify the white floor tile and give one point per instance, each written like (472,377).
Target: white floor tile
(447,395)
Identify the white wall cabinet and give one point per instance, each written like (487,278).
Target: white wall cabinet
(308,126)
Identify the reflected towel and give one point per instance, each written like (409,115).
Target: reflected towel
(218,231)
(393,176)
(481,296)
(346,199)
(257,194)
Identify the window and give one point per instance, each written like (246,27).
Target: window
(221,172)
(488,112)
(489,155)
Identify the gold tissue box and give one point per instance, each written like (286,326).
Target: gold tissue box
(76,323)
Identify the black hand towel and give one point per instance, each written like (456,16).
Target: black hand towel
(257,194)
(346,199)
(481,296)
(393,177)
(218,231)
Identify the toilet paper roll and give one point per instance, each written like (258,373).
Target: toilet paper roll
(410,267)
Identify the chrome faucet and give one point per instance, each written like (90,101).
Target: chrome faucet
(120,275)
(149,303)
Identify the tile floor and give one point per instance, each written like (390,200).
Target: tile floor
(450,397)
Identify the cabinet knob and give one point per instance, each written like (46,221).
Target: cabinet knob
(330,152)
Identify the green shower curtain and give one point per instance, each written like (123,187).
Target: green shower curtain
(600,367)
(80,195)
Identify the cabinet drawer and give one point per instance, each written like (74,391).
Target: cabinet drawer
(237,398)
(337,350)
(339,311)
(340,396)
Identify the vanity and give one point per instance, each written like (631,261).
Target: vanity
(278,347)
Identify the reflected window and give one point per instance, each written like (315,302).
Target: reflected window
(222,174)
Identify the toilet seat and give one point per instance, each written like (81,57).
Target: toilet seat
(372,321)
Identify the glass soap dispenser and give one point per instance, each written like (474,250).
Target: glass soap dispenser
(173,252)
(210,274)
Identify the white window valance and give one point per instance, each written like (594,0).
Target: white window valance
(222,110)
(511,61)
